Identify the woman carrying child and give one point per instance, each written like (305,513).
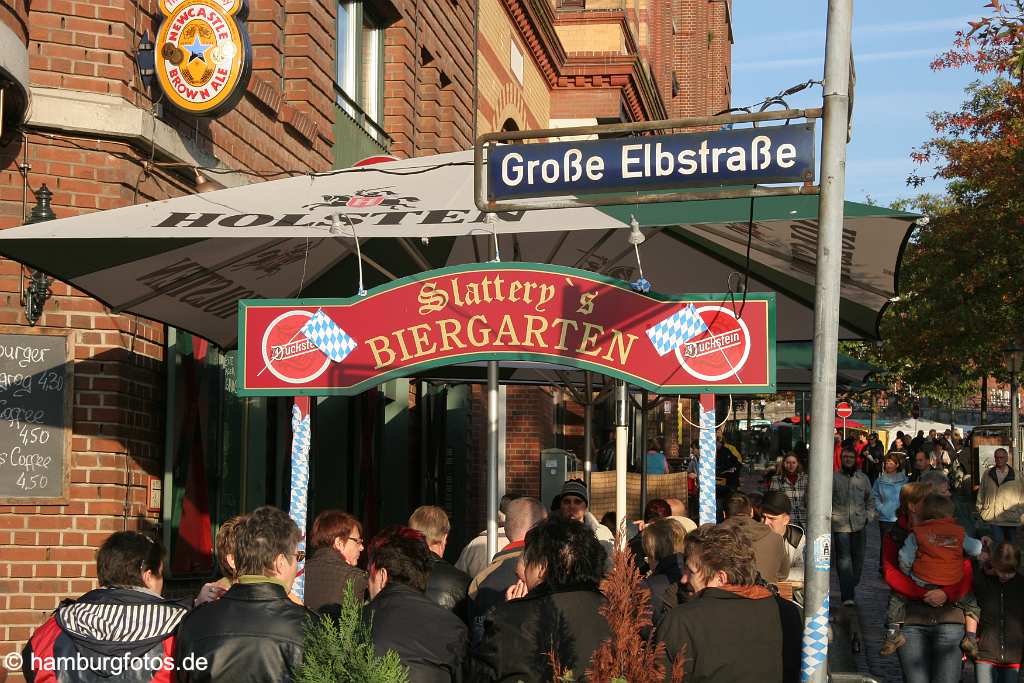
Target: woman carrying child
(933,628)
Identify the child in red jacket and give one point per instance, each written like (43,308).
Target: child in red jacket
(933,557)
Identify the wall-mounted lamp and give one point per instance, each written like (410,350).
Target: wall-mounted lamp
(146,59)
(38,290)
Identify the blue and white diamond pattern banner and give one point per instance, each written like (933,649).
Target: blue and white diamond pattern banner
(328,337)
(815,650)
(706,467)
(300,482)
(676,330)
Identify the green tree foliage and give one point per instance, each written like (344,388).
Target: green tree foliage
(961,280)
(342,651)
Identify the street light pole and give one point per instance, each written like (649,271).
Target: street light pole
(1014,360)
(835,128)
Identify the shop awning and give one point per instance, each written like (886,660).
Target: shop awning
(186,261)
(794,364)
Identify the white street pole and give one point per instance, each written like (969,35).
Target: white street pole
(621,435)
(492,459)
(832,177)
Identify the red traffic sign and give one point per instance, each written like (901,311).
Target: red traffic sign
(844,410)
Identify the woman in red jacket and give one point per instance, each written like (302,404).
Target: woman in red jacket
(934,627)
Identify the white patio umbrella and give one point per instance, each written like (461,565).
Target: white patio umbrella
(186,261)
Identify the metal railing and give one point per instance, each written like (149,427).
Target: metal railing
(352,109)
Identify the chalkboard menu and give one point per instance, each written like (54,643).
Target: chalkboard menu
(35,414)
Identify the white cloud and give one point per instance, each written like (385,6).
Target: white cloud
(862,58)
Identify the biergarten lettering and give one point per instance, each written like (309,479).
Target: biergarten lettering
(533,333)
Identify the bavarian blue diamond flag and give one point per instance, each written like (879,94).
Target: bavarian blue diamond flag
(676,330)
(328,337)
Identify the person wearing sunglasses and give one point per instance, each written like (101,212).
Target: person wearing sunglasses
(336,543)
(254,632)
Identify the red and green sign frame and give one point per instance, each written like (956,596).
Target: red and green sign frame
(696,343)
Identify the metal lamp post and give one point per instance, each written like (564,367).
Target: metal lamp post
(1014,355)
(38,290)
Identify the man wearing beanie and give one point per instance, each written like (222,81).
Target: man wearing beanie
(776,510)
(574,503)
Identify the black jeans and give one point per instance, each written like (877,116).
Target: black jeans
(883,529)
(849,551)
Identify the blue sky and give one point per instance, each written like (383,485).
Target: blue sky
(780,43)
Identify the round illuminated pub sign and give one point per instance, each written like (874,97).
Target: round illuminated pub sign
(202,54)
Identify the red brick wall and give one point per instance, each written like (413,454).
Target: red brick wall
(428,84)
(49,550)
(529,428)
(283,125)
(700,54)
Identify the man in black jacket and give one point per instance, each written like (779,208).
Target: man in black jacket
(428,638)
(447,586)
(254,632)
(720,569)
(489,586)
(553,608)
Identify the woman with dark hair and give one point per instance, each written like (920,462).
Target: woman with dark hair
(793,482)
(336,542)
(885,494)
(553,608)
(123,620)
(999,589)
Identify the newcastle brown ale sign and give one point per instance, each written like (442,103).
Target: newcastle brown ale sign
(508,311)
(202,54)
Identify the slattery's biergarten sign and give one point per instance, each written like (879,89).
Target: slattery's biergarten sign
(508,311)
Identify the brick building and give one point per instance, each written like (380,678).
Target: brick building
(158,439)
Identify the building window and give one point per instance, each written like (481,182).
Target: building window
(675,85)
(515,60)
(360,64)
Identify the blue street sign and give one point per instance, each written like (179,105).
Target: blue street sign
(768,154)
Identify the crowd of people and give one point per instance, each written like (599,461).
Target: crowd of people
(538,600)
(953,595)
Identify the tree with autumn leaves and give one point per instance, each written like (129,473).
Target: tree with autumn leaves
(961,280)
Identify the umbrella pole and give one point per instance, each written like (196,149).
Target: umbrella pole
(803,417)
(643,451)
(492,459)
(621,435)
(835,129)
(588,434)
